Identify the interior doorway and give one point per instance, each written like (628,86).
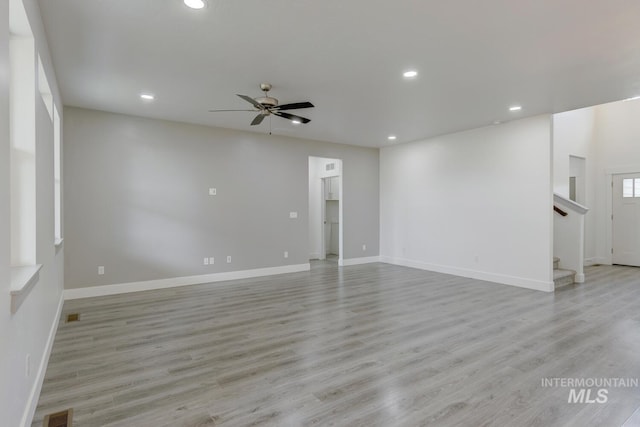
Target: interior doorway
(325,209)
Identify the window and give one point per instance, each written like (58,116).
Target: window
(627,187)
(45,89)
(22,154)
(23,137)
(631,187)
(57,176)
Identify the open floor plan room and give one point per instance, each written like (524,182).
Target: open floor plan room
(319,213)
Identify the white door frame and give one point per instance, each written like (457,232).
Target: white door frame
(323,225)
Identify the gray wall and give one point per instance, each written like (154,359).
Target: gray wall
(136,198)
(29,331)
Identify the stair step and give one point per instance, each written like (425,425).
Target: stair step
(563,277)
(556,261)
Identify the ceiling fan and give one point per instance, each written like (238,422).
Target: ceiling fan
(267,105)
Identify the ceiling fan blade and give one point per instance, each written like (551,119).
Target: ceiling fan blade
(218,111)
(291,117)
(294,106)
(252,101)
(257,119)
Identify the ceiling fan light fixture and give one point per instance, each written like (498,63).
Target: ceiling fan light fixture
(195,4)
(267,106)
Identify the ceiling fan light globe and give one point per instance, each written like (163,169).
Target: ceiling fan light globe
(195,4)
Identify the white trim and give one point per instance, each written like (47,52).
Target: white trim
(340,214)
(622,170)
(607,259)
(577,207)
(147,285)
(521,282)
(579,278)
(358,261)
(23,279)
(32,403)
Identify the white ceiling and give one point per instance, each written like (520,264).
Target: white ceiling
(475,59)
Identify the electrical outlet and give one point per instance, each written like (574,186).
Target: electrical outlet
(211,260)
(27,366)
(293,215)
(206,261)
(229,259)
(213,191)
(286,254)
(364,248)
(100,270)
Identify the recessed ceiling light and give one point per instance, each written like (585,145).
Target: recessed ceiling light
(515,108)
(633,98)
(296,122)
(391,137)
(195,4)
(147,97)
(410,74)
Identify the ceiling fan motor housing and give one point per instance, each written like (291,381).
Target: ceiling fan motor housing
(267,101)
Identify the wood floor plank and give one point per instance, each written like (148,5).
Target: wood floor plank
(363,345)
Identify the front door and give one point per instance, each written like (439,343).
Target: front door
(626,219)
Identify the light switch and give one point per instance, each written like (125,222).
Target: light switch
(212,191)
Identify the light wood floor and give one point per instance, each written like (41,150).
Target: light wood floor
(371,345)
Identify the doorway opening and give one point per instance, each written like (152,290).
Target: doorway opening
(325,209)
(577,181)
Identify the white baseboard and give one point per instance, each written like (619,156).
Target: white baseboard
(147,285)
(32,403)
(358,261)
(521,282)
(579,278)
